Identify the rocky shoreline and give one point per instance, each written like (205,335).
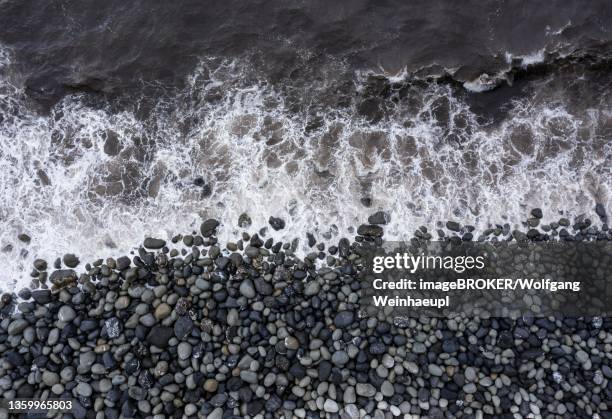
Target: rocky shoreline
(248,329)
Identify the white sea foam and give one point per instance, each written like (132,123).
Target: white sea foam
(559,31)
(399,76)
(432,160)
(526,60)
(484,83)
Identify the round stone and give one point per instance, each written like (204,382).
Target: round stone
(343,319)
(57,389)
(122,302)
(211,385)
(71,260)
(184,350)
(233,319)
(86,360)
(351,411)
(330,406)
(162,311)
(50,378)
(340,358)
(470,388)
(66,314)
(435,370)
(470,374)
(387,389)
(419,348)
(312,288)
(292,343)
(17,326)
(365,389)
(582,356)
(247,288)
(83,389)
(349,395)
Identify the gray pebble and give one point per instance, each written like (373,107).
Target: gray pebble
(330,406)
(387,389)
(50,378)
(340,358)
(582,356)
(312,288)
(184,350)
(470,388)
(17,326)
(83,389)
(66,314)
(435,370)
(349,395)
(247,288)
(419,348)
(365,389)
(249,376)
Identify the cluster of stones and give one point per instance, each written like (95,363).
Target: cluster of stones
(250,330)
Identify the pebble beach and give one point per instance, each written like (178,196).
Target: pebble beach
(194,328)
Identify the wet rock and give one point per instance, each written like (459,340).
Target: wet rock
(40,265)
(71,260)
(244,221)
(42,297)
(453,226)
(209,227)
(600,210)
(153,243)
(62,276)
(276,223)
(24,238)
(379,217)
(123,263)
(537,213)
(370,230)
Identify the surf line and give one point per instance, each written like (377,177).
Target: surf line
(409,301)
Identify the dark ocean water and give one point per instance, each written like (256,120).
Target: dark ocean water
(113,46)
(125,119)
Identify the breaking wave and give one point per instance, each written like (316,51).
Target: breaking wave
(321,153)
